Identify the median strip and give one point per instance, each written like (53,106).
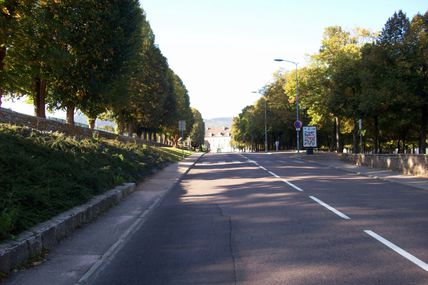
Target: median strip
(340,214)
(398,250)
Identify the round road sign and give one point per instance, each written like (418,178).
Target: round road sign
(298,124)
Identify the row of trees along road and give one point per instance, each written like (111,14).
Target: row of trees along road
(96,56)
(381,78)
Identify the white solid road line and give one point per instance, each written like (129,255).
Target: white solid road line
(398,250)
(261,167)
(340,214)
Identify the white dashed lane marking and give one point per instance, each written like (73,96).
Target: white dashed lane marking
(292,185)
(379,238)
(398,250)
(340,214)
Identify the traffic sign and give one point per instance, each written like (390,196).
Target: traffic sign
(182,125)
(298,124)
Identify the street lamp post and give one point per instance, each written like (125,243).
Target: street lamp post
(266,144)
(297,99)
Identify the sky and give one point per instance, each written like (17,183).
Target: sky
(224,49)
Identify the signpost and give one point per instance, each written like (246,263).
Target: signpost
(309,138)
(182,128)
(298,125)
(360,127)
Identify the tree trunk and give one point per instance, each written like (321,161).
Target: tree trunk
(175,140)
(70,114)
(376,134)
(139,132)
(131,129)
(355,137)
(91,122)
(39,97)
(2,56)
(121,125)
(333,137)
(339,145)
(423,130)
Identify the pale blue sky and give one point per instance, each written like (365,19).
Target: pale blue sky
(224,49)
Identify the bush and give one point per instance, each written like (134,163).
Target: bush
(43,174)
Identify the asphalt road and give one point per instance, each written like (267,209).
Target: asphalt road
(277,219)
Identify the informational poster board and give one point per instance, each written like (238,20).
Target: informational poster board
(309,136)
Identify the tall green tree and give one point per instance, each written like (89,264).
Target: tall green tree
(176,108)
(416,41)
(11,12)
(34,53)
(197,133)
(385,94)
(101,39)
(243,129)
(151,90)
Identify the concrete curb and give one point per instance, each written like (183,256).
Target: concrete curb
(46,235)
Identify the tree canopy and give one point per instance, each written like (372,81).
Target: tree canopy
(98,57)
(379,78)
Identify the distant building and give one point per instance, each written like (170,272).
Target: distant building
(218,139)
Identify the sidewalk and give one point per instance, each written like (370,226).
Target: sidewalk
(332,160)
(78,258)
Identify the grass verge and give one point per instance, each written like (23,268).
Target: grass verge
(43,174)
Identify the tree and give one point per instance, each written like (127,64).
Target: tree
(11,11)
(243,130)
(314,87)
(197,133)
(177,107)
(416,39)
(146,85)
(335,43)
(101,39)
(154,103)
(338,62)
(385,93)
(34,53)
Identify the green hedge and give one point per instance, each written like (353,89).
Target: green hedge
(43,174)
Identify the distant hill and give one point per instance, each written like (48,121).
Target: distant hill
(218,122)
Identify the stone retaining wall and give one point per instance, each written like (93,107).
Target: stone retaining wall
(46,235)
(15,118)
(408,164)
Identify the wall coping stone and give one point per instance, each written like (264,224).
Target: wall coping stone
(407,164)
